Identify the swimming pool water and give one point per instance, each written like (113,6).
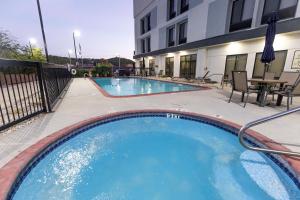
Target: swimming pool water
(155,158)
(138,86)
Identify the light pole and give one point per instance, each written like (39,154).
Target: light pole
(43,31)
(80,53)
(118,56)
(69,53)
(76,33)
(32,42)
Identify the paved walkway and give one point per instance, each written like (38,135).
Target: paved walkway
(84,101)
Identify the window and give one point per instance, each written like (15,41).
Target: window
(169,68)
(171,9)
(151,63)
(146,24)
(148,39)
(182,33)
(184,6)
(148,17)
(284,8)
(277,66)
(142,66)
(170,36)
(152,67)
(188,66)
(235,63)
(146,45)
(143,26)
(241,15)
(143,47)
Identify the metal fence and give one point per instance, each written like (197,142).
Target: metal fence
(27,89)
(55,81)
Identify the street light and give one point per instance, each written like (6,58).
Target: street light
(32,41)
(118,55)
(43,31)
(69,53)
(80,53)
(76,33)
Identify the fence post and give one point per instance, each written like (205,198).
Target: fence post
(43,88)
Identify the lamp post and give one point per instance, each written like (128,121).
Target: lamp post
(69,53)
(32,42)
(80,53)
(118,56)
(76,33)
(43,31)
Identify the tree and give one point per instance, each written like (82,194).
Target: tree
(124,61)
(37,55)
(10,48)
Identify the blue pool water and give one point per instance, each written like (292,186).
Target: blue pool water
(137,86)
(155,158)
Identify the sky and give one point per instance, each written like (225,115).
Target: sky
(106,26)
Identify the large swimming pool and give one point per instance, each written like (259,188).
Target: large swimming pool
(155,156)
(138,86)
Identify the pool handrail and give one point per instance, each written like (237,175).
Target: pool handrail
(262,121)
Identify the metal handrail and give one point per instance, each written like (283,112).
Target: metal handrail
(262,121)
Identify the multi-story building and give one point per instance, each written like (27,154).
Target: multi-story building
(187,38)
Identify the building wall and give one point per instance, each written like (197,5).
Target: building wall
(208,19)
(217,14)
(216,56)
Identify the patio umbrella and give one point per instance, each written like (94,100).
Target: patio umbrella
(268,54)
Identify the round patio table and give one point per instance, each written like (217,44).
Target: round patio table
(264,84)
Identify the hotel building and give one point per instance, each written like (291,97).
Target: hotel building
(188,38)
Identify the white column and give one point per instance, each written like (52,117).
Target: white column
(250,64)
(201,66)
(146,62)
(176,64)
(157,63)
(160,63)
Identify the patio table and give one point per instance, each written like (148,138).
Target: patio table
(264,84)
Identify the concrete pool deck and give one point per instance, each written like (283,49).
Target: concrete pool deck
(83,101)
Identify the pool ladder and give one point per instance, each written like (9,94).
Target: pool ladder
(242,132)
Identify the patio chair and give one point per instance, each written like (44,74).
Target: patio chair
(226,79)
(202,79)
(289,77)
(240,84)
(290,92)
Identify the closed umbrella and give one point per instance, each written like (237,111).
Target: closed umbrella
(268,54)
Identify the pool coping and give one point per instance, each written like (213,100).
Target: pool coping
(106,94)
(11,173)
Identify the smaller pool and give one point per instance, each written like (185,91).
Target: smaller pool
(138,86)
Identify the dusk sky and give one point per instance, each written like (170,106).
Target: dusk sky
(106,26)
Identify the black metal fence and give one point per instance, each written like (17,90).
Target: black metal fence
(27,89)
(55,80)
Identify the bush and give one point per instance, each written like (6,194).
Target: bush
(80,73)
(102,71)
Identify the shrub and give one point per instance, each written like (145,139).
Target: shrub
(80,73)
(102,71)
